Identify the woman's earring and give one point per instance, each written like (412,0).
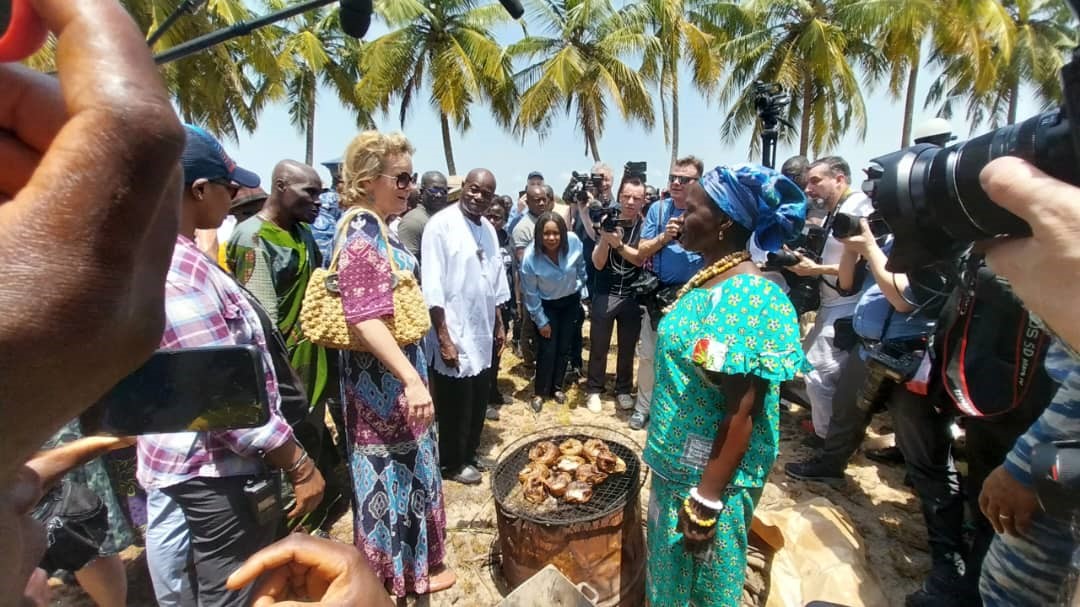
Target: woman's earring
(721,236)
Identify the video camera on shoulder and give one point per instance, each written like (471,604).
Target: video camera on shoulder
(636,170)
(583,184)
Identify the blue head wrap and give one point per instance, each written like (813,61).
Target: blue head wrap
(759,199)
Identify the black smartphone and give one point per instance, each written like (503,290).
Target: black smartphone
(187,390)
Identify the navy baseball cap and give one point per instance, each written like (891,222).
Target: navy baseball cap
(536,175)
(204,158)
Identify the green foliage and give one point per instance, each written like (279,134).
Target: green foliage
(589,58)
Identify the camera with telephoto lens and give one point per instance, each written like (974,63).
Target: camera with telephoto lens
(931,196)
(846,226)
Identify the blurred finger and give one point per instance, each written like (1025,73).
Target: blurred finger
(31,106)
(1022,522)
(1044,202)
(272,587)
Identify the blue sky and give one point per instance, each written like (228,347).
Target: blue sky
(563,150)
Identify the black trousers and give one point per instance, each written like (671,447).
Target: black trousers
(224,533)
(923,436)
(460,405)
(606,311)
(847,426)
(553,353)
(577,337)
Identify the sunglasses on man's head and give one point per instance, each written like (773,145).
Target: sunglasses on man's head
(402,180)
(682,179)
(227,184)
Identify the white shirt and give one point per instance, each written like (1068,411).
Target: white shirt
(467,286)
(859,205)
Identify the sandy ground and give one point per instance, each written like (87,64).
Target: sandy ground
(883,510)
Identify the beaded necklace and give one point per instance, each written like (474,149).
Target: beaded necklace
(706,274)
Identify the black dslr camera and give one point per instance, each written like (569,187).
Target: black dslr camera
(931,196)
(803,291)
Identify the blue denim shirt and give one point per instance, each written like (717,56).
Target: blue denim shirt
(543,280)
(325,224)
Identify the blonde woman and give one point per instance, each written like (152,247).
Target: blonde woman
(398,518)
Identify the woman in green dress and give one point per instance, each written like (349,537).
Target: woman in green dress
(723,348)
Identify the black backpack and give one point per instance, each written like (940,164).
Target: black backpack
(990,350)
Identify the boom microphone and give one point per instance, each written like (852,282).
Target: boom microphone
(512,6)
(355,17)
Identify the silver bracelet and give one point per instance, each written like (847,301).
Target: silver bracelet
(716,505)
(299,462)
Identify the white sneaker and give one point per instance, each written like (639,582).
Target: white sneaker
(625,402)
(593,403)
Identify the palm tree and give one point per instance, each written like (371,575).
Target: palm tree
(902,28)
(683,29)
(213,88)
(1005,45)
(808,48)
(579,68)
(312,50)
(445,46)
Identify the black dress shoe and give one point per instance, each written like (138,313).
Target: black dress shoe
(480,466)
(537,403)
(467,475)
(560,397)
(492,413)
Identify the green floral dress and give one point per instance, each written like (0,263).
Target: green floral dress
(743,325)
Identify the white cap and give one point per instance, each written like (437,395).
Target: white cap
(934,127)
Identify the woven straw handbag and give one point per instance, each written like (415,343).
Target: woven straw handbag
(322,315)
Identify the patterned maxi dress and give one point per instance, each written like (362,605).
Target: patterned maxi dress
(398,517)
(743,325)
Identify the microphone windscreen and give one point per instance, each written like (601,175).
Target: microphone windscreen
(513,7)
(355,17)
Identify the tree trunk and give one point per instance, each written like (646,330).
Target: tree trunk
(447,147)
(309,128)
(590,137)
(804,126)
(1014,98)
(675,117)
(909,101)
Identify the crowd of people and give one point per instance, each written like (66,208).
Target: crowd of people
(158,240)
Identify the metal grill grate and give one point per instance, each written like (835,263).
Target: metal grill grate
(607,497)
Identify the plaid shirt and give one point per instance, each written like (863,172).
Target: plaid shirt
(205,307)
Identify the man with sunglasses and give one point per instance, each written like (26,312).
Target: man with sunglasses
(673,265)
(433,197)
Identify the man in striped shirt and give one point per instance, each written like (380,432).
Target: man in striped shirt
(205,473)
(1028,561)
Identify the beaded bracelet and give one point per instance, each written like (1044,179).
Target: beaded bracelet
(709,522)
